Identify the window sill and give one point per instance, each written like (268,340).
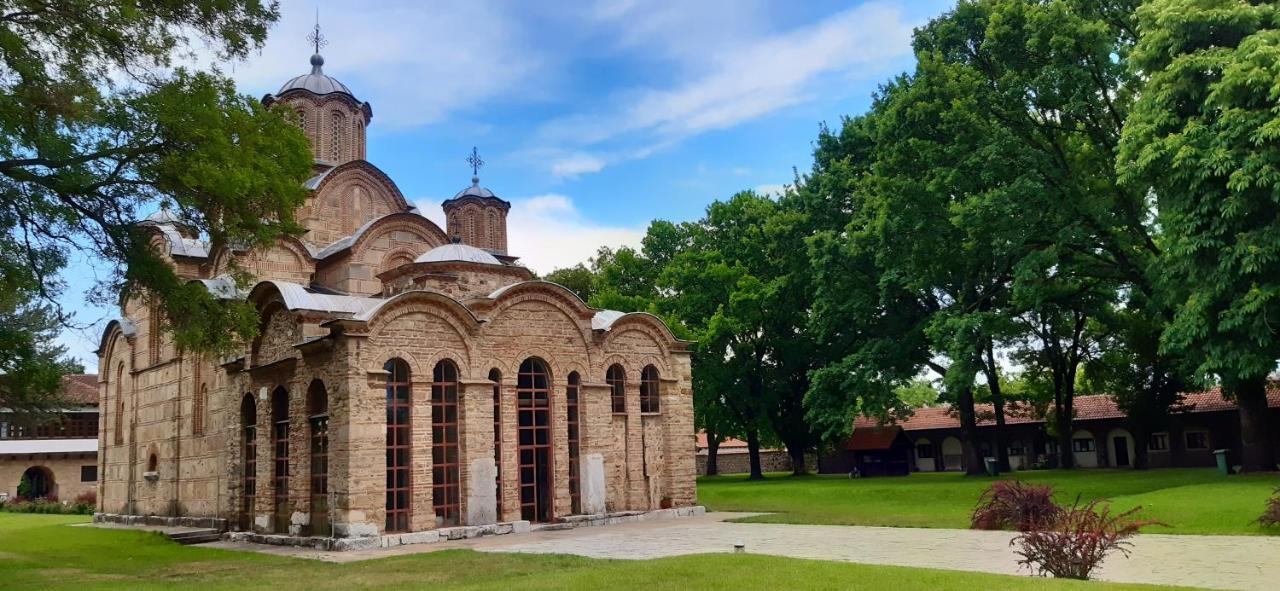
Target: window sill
(656,413)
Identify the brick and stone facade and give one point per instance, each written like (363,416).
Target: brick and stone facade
(375,303)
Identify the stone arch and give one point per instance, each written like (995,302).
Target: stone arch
(424,230)
(40,483)
(952,454)
(387,318)
(397,257)
(927,462)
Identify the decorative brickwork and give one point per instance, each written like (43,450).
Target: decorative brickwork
(391,388)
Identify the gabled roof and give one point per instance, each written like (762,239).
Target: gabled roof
(81,388)
(873,438)
(1092,407)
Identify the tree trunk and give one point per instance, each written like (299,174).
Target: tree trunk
(969,434)
(997,405)
(1141,435)
(1065,410)
(1258,449)
(753,452)
(713,448)
(798,467)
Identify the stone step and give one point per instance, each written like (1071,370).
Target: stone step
(197,536)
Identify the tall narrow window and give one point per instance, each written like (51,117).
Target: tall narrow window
(445,489)
(495,376)
(649,389)
(336,131)
(197,409)
(572,427)
(154,323)
(118,427)
(399,422)
(249,461)
(280,456)
(533,411)
(617,380)
(318,420)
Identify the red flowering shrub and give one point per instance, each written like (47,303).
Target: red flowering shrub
(1074,544)
(1271,516)
(1013,504)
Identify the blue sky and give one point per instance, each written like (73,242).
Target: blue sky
(592,118)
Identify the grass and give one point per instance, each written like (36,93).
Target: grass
(46,552)
(1188,501)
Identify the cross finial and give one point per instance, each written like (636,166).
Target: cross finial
(475,162)
(316,38)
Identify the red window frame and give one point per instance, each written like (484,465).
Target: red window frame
(399,452)
(533,429)
(649,389)
(572,427)
(446,486)
(616,377)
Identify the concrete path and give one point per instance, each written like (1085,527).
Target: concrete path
(1243,563)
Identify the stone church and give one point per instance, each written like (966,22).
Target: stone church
(405,378)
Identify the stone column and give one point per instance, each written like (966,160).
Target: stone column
(637,491)
(357,443)
(596,442)
(677,409)
(478,470)
(422,512)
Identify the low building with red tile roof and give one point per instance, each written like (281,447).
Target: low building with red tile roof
(1103,436)
(59,458)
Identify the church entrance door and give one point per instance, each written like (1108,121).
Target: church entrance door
(533,399)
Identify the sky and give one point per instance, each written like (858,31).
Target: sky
(593,118)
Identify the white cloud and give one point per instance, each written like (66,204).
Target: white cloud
(739,79)
(575,165)
(414,64)
(548,232)
(772,190)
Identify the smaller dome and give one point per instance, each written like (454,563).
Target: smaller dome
(164,216)
(316,82)
(475,190)
(457,252)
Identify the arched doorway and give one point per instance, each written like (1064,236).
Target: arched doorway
(924,456)
(533,421)
(952,454)
(37,483)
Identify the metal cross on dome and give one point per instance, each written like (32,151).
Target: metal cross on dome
(475,161)
(315,37)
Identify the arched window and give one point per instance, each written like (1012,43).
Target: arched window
(495,376)
(198,409)
(337,128)
(574,436)
(357,138)
(617,380)
(446,491)
(533,412)
(119,419)
(649,389)
(280,458)
(399,422)
(249,459)
(318,420)
(153,463)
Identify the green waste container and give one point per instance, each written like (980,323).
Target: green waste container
(1221,456)
(993,466)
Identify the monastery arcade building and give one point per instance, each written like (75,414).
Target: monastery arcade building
(406,377)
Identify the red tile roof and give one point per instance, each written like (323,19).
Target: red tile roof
(872,438)
(730,442)
(82,388)
(1093,407)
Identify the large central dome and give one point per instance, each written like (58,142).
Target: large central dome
(316,82)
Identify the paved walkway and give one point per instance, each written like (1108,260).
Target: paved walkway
(1244,563)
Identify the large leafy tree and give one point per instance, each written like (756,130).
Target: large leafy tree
(32,367)
(1204,137)
(97,126)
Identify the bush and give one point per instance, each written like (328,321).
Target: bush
(1074,544)
(1271,516)
(1013,504)
(85,503)
(36,506)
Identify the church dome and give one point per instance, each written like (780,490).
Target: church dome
(457,252)
(316,82)
(164,216)
(475,190)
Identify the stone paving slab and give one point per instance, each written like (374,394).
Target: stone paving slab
(1244,563)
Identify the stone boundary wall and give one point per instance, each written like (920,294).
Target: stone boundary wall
(445,534)
(160,520)
(774,460)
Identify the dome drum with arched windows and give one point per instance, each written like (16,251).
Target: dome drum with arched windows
(458,389)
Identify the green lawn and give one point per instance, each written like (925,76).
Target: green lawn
(46,552)
(1189,501)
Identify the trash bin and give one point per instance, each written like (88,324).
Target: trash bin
(1221,456)
(993,466)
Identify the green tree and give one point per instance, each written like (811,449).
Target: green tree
(578,278)
(96,125)
(31,370)
(1202,137)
